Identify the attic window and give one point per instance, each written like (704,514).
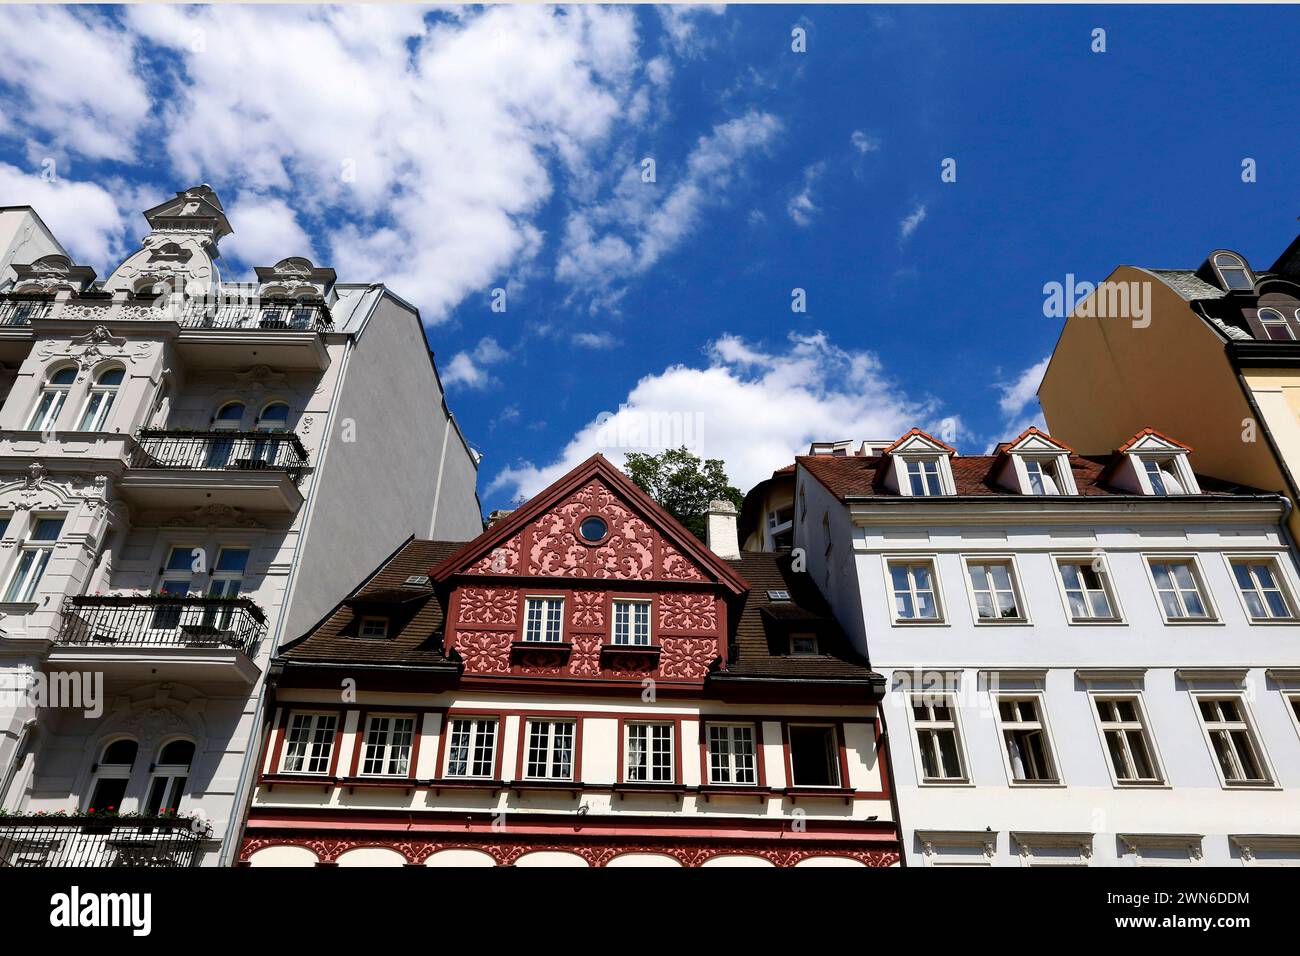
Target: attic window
(1275,325)
(923,477)
(1162,475)
(1044,478)
(780,595)
(417,581)
(373,627)
(1233,272)
(803,645)
(593,529)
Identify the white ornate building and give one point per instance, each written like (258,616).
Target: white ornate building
(189,468)
(1092,660)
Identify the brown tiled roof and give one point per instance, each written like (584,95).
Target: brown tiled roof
(760,637)
(415,615)
(974,475)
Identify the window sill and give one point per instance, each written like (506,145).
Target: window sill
(1037,784)
(378,782)
(638,653)
(920,622)
(1003,621)
(553,650)
(271,780)
(572,787)
(940,784)
(463,783)
(724,790)
(797,793)
(630,787)
(1096,622)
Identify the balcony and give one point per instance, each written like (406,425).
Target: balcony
(253,471)
(16,315)
(281,333)
(88,841)
(163,636)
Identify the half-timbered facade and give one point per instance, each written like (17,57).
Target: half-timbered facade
(584,684)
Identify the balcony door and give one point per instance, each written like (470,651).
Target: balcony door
(230,418)
(227,581)
(274,419)
(177,580)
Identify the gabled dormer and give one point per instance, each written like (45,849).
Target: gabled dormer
(1036,464)
(919,466)
(50,275)
(295,278)
(1150,463)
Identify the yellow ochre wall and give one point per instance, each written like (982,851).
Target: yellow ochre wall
(1108,379)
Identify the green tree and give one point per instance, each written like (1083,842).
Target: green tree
(682,484)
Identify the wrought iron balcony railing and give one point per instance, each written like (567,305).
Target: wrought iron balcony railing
(220,451)
(20,311)
(162,620)
(265,314)
(39,841)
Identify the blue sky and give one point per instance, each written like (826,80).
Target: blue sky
(453,153)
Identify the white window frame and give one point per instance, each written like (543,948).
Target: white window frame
(1143,725)
(22,585)
(313,728)
(633,605)
(389,748)
(1177,469)
(112,771)
(1211,610)
(38,422)
(804,636)
(939,606)
(1250,725)
(649,751)
(370,619)
(175,777)
(547,600)
(1017,592)
(730,753)
(1279,576)
(98,404)
(905,479)
(1053,461)
(1281,320)
(477,724)
(1107,581)
(551,751)
(1241,267)
(928,698)
(1039,698)
(1291,700)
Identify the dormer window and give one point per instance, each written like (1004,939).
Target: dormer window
(373,627)
(1162,476)
(803,645)
(1233,272)
(1275,325)
(923,477)
(1043,476)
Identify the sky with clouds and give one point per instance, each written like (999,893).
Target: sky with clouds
(650,186)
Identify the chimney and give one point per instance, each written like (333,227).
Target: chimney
(722,536)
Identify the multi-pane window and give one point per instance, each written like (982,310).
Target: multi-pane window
(170,773)
(631,622)
(472,747)
(550,750)
(1232,739)
(937,739)
(1275,325)
(1029,752)
(732,754)
(1179,589)
(803,645)
(51,400)
(376,627)
(1261,590)
(923,477)
(993,587)
(543,619)
(388,745)
(1043,478)
(649,754)
(1127,742)
(814,756)
(112,774)
(1087,591)
(914,591)
(1162,477)
(33,557)
(99,401)
(310,744)
(1233,271)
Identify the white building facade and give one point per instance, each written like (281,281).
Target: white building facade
(189,468)
(1091,661)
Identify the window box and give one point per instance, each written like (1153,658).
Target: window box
(639,656)
(541,653)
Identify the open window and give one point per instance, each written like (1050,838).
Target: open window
(814,755)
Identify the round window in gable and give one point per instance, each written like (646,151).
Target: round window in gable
(593,529)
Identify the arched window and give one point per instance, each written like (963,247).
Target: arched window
(274,418)
(1275,325)
(1232,270)
(112,774)
(53,395)
(100,400)
(229,418)
(167,780)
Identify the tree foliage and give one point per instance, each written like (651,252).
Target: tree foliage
(683,484)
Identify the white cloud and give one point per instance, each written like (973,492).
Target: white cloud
(1019,395)
(679,22)
(628,233)
(801,207)
(753,408)
(471,368)
(83,216)
(909,223)
(863,143)
(594,340)
(73,73)
(266,231)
